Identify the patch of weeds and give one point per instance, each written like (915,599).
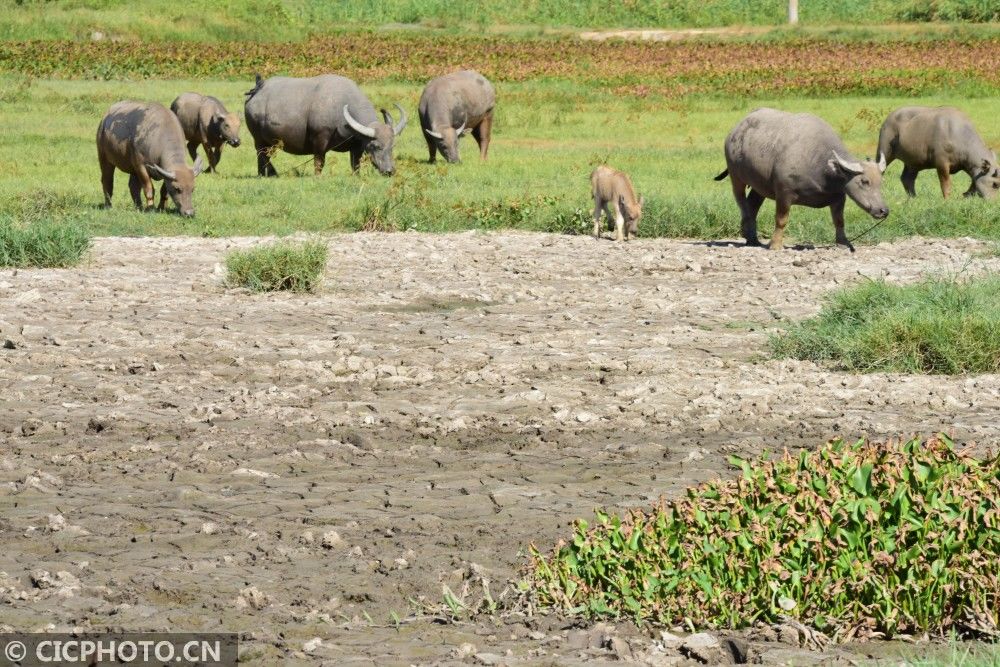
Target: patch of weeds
(17,91)
(43,205)
(509,212)
(296,267)
(404,205)
(572,221)
(938,326)
(850,539)
(52,244)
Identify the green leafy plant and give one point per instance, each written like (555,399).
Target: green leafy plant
(940,325)
(851,538)
(52,244)
(297,267)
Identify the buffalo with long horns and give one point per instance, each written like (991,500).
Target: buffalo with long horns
(315,115)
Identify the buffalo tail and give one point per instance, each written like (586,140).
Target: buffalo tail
(259,81)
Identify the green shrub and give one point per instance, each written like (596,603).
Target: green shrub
(940,325)
(42,244)
(890,538)
(297,267)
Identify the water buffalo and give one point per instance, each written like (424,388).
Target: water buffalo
(941,138)
(145,140)
(314,115)
(206,122)
(453,105)
(796,159)
(612,190)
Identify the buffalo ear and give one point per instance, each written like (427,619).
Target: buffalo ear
(157,174)
(198,166)
(986,167)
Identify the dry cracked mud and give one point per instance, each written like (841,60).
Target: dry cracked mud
(179,455)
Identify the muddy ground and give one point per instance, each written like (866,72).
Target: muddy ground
(181,456)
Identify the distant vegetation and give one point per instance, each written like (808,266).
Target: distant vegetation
(784,68)
(941,325)
(285,265)
(850,539)
(297,19)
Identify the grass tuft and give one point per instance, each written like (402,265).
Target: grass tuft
(42,244)
(854,539)
(938,326)
(296,267)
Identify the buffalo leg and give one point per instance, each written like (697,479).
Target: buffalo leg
(432,149)
(837,213)
(264,166)
(909,180)
(482,132)
(749,206)
(598,211)
(619,223)
(356,154)
(107,181)
(318,161)
(218,156)
(147,186)
(944,175)
(213,157)
(135,189)
(781,210)
(193,150)
(163,199)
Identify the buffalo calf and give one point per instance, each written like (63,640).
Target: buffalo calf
(613,194)
(206,123)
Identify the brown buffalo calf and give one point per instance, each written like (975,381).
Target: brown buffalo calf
(613,191)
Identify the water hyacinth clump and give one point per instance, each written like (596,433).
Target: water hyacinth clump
(851,539)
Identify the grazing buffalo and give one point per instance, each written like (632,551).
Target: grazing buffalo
(206,123)
(613,191)
(315,115)
(797,159)
(453,105)
(941,138)
(145,140)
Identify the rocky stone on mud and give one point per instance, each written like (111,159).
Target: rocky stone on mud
(252,597)
(331,540)
(704,648)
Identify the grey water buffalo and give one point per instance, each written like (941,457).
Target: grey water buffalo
(453,105)
(613,193)
(145,140)
(941,138)
(315,115)
(796,159)
(206,123)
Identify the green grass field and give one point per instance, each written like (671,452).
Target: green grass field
(548,136)
(297,19)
